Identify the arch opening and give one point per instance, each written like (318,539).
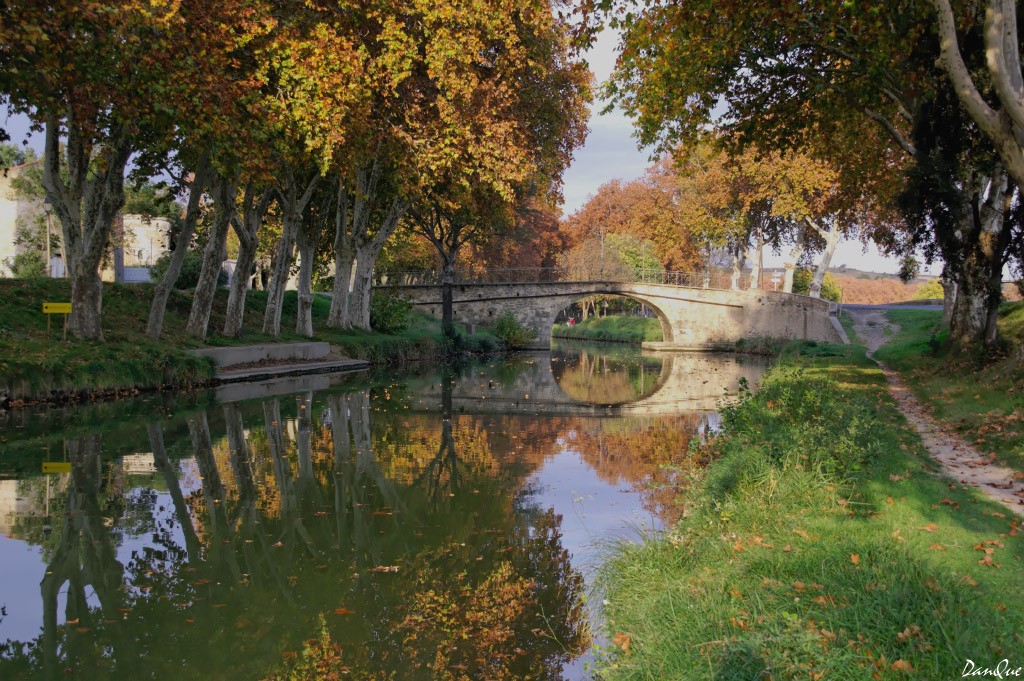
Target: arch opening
(588,307)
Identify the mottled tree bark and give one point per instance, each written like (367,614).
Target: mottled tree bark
(293,197)
(162,291)
(255,204)
(213,259)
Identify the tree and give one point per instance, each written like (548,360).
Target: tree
(1001,115)
(97,77)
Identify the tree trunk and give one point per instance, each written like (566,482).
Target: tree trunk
(359,303)
(791,262)
(86,203)
(213,259)
(979,284)
(234,318)
(293,200)
(344,254)
(247,230)
(755,267)
(86,319)
(831,238)
(948,295)
(447,284)
(158,308)
(307,248)
(280,270)
(737,271)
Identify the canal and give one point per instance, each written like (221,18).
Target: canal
(433,523)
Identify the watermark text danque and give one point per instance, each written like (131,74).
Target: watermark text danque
(1003,670)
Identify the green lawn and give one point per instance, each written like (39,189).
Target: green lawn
(817,543)
(35,364)
(613,328)
(985,405)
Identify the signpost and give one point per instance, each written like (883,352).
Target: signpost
(56,466)
(57,308)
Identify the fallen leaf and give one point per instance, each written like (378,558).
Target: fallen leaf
(901,666)
(622,640)
(937,547)
(344,611)
(855,558)
(930,527)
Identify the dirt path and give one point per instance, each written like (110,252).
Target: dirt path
(959,459)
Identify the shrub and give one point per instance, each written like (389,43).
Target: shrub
(512,333)
(191,267)
(829,287)
(28,265)
(929,290)
(389,313)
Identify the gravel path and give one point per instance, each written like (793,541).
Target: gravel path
(959,460)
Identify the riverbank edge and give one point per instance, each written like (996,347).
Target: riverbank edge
(186,372)
(37,366)
(818,541)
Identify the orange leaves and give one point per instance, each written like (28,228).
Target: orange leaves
(344,611)
(930,527)
(989,548)
(855,558)
(623,641)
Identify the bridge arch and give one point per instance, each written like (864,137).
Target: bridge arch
(667,334)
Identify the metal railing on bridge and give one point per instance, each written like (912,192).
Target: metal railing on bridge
(711,279)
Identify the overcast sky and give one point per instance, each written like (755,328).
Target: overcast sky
(611,152)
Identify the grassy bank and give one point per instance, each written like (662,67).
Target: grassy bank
(36,364)
(817,543)
(984,405)
(613,328)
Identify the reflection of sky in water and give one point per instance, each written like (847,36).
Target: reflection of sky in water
(594,515)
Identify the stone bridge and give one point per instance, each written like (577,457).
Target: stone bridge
(691,317)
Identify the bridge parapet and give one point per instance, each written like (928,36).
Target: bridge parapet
(712,279)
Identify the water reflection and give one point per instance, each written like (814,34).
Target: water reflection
(387,528)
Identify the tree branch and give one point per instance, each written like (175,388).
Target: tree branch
(1004,73)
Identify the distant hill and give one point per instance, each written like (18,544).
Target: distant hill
(876,288)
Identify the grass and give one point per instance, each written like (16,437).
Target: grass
(613,328)
(847,322)
(35,364)
(985,404)
(817,543)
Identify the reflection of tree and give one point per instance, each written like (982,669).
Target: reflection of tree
(85,557)
(652,455)
(266,532)
(602,378)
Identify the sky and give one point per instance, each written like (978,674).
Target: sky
(610,152)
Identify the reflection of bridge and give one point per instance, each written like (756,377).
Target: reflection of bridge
(691,316)
(688,382)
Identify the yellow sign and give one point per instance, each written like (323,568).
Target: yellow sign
(56,308)
(56,466)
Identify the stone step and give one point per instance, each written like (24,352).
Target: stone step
(257,373)
(250,354)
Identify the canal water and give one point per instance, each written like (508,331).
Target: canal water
(441,523)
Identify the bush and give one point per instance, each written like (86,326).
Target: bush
(190,269)
(829,287)
(29,265)
(389,313)
(512,333)
(929,290)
